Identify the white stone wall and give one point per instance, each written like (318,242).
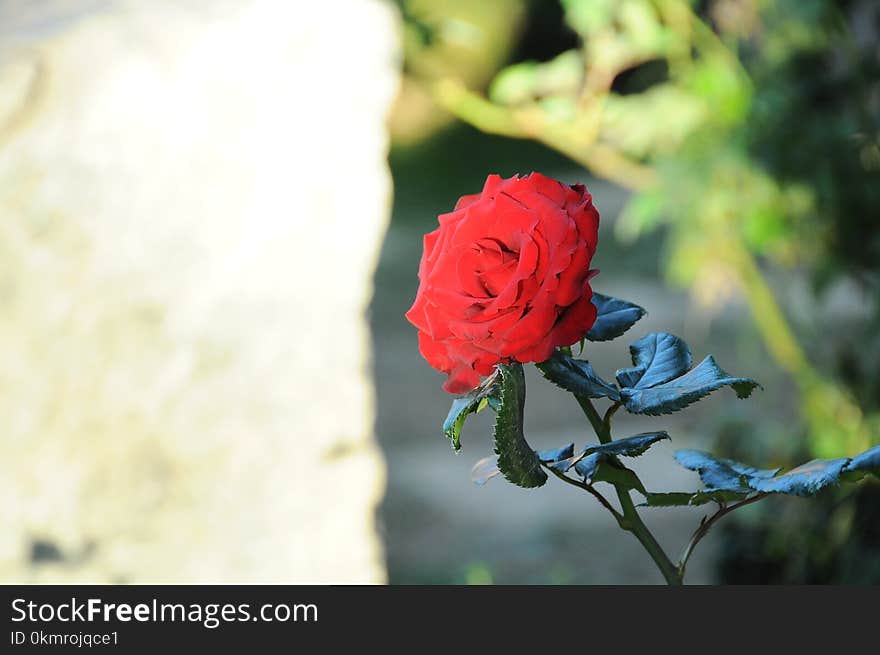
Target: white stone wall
(192,200)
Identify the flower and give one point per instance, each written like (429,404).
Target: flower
(506,276)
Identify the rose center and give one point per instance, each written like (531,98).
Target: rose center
(494,264)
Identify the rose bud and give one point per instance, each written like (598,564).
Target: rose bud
(506,276)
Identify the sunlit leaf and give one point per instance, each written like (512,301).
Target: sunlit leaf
(682,391)
(517,461)
(614,317)
(486,394)
(576,376)
(515,84)
(624,124)
(525,82)
(586,16)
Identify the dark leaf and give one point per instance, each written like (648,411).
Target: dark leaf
(657,358)
(628,447)
(587,466)
(614,317)
(562,465)
(868,461)
(556,454)
(600,463)
(517,461)
(717,473)
(669,499)
(484,470)
(469,404)
(805,480)
(812,477)
(601,467)
(692,498)
(682,391)
(612,471)
(576,376)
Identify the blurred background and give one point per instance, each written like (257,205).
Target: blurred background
(193,196)
(733,150)
(212,213)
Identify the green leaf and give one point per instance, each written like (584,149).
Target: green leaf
(623,124)
(642,213)
(516,460)
(587,16)
(464,406)
(576,376)
(685,390)
(515,84)
(657,358)
(614,317)
(556,81)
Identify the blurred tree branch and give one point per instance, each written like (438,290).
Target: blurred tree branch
(577,140)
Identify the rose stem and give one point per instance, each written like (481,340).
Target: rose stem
(631,521)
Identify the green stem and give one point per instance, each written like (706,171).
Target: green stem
(631,521)
(595,420)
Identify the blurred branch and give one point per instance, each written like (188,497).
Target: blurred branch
(576,139)
(768,316)
(837,424)
(28,102)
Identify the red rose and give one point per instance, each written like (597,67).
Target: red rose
(506,276)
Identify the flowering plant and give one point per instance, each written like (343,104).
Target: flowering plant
(505,280)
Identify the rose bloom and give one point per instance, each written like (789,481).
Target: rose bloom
(506,277)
